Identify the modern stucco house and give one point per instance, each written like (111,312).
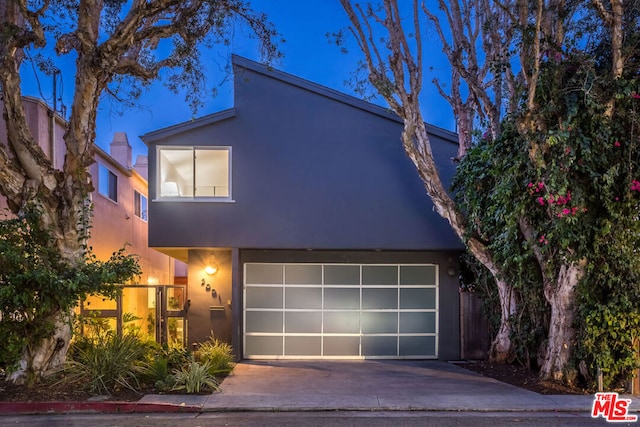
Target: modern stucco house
(319,238)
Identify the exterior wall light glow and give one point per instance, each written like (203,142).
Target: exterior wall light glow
(212,267)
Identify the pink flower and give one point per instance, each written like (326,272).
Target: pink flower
(566,211)
(567,150)
(530,185)
(541,200)
(541,185)
(616,144)
(574,210)
(635,95)
(635,185)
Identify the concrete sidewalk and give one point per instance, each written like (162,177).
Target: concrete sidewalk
(371,386)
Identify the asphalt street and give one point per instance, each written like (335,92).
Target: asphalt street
(290,419)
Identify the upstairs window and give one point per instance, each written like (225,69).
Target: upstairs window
(140,205)
(194,173)
(107,183)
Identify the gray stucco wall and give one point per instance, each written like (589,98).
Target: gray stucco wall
(309,170)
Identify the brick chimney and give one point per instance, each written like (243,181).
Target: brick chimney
(120,149)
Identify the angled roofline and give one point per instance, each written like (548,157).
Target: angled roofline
(327,92)
(186,126)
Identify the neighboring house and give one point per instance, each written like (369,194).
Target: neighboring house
(120,211)
(120,208)
(306,229)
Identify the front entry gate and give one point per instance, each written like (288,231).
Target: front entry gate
(156,313)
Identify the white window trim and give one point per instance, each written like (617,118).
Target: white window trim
(195,199)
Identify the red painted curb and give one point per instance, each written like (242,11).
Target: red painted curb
(103,407)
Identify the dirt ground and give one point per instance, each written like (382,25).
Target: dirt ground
(512,374)
(521,377)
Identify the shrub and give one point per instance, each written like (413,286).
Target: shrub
(194,378)
(217,354)
(163,360)
(109,363)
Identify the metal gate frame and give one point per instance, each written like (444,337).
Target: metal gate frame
(163,311)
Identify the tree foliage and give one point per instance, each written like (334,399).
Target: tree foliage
(566,191)
(36,283)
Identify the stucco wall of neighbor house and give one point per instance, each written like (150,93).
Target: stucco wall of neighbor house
(114,225)
(311,168)
(448,285)
(208,314)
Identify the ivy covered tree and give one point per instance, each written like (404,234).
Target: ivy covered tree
(553,90)
(119,47)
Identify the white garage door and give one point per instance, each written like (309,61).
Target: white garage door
(340,311)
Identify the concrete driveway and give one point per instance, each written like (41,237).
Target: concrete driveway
(376,385)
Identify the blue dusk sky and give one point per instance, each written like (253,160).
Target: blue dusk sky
(308,54)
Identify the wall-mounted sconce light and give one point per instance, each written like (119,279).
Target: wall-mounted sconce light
(451,271)
(212,266)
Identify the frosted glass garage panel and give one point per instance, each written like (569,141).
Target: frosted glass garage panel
(263,297)
(379,275)
(265,274)
(302,322)
(412,275)
(417,346)
(303,298)
(302,346)
(341,346)
(342,275)
(380,298)
(418,298)
(379,346)
(379,323)
(417,323)
(341,322)
(342,298)
(303,274)
(263,321)
(263,346)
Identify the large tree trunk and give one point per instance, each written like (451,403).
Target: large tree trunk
(49,355)
(561,297)
(502,346)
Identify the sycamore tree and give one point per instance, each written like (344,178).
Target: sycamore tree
(119,47)
(552,88)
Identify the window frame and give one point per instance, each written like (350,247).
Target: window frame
(112,183)
(137,206)
(193,149)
